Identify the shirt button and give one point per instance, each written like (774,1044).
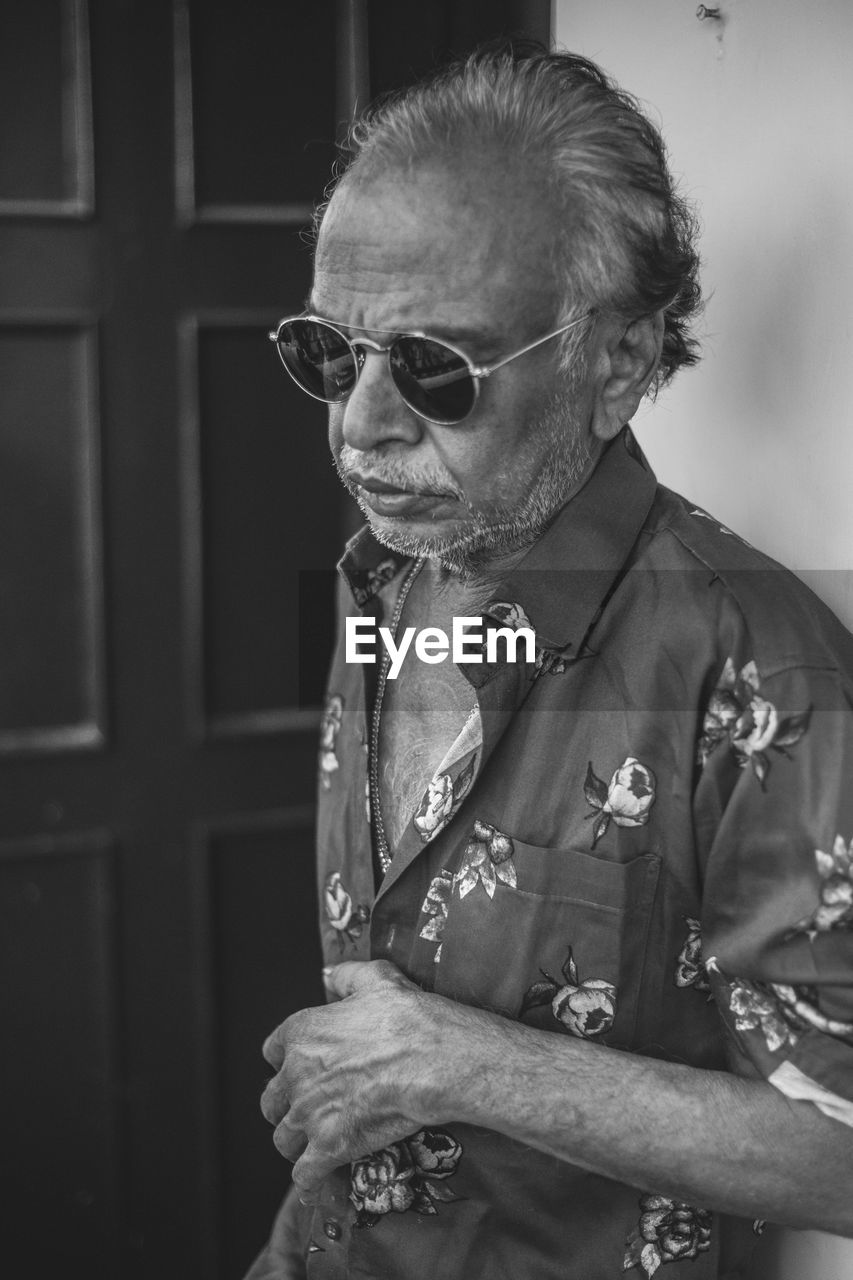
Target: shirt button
(332,1229)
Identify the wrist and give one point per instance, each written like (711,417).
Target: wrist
(464,1067)
(426,1093)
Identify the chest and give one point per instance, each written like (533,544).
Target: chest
(422,711)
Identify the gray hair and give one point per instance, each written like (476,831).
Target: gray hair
(627,239)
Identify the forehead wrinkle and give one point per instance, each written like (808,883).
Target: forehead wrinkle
(437,255)
(367,251)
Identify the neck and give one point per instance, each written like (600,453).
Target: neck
(475,585)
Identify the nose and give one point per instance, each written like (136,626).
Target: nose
(375,413)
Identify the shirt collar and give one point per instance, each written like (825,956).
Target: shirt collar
(589,540)
(366,566)
(565,577)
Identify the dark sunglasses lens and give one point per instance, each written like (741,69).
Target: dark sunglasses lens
(432,379)
(318,358)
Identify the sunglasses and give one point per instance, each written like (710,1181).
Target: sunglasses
(436,380)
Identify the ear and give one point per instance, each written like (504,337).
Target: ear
(629,358)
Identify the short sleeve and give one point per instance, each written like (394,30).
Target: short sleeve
(776,760)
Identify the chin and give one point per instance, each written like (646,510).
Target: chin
(460,548)
(413,538)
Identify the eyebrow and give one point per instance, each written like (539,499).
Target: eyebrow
(460,335)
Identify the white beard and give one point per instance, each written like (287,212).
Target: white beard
(486,535)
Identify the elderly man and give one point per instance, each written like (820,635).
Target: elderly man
(586,909)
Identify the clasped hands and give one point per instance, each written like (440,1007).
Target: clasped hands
(358,1074)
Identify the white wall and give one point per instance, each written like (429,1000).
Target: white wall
(758,114)
(757,111)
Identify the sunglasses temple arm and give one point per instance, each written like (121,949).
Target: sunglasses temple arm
(484,371)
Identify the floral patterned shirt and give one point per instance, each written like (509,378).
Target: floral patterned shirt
(643,838)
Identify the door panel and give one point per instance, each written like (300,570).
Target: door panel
(45,110)
(162,497)
(58,906)
(244,449)
(259,878)
(255,110)
(52,676)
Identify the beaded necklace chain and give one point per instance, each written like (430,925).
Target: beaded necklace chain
(382,847)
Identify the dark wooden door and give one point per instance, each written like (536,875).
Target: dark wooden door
(167,524)
(162,495)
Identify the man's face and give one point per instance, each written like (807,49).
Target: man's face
(464,255)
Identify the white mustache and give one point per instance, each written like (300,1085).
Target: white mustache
(388,471)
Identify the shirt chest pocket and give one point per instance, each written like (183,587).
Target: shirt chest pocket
(558,940)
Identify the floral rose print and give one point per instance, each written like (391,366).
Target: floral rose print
(345,918)
(381,1183)
(406,1175)
(487,859)
(548,663)
(330,727)
(441,799)
(668,1231)
(800,1006)
(586,1009)
(508,614)
(374,581)
(689,969)
(512,615)
(435,908)
(835,908)
(626,800)
(434,812)
(781,1012)
(754,1010)
(436,1152)
(739,715)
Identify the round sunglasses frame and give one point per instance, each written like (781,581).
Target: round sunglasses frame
(359,352)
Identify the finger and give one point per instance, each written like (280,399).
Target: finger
(352,976)
(273,1049)
(310,1172)
(290,1141)
(275,1103)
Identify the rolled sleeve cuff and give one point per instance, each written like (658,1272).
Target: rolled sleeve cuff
(789,1080)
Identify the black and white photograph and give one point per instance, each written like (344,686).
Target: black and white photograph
(426,675)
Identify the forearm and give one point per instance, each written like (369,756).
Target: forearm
(388,1058)
(705,1137)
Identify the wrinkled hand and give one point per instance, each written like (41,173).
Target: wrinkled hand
(351,1076)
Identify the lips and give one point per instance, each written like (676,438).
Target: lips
(388,500)
(378,486)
